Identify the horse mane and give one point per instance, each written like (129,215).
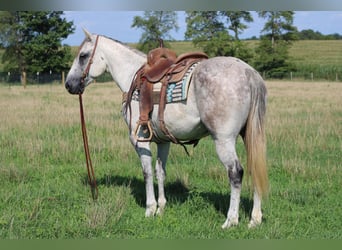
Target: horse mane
(136,51)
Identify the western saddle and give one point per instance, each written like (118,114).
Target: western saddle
(165,67)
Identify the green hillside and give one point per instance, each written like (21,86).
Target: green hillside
(323,52)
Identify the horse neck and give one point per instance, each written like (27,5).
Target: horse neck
(122,62)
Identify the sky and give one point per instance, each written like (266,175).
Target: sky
(117,24)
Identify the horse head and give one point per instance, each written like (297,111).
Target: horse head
(88,64)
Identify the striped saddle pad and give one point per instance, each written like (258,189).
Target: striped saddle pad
(176,91)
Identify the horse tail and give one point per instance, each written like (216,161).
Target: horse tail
(254,138)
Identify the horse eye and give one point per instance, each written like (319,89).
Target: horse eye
(83,55)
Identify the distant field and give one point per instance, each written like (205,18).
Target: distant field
(327,53)
(324,57)
(42,170)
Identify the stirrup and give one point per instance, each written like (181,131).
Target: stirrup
(141,130)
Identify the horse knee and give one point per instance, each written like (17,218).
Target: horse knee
(160,171)
(146,167)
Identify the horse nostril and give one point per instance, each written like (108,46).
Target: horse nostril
(67,85)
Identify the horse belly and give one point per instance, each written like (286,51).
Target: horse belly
(182,120)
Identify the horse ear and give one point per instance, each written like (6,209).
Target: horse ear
(87,34)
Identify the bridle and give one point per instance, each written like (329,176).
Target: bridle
(90,169)
(90,61)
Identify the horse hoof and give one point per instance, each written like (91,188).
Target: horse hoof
(253,223)
(160,211)
(256,219)
(230,223)
(150,211)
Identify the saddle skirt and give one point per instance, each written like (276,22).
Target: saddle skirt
(175,92)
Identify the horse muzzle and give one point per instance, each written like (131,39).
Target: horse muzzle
(74,89)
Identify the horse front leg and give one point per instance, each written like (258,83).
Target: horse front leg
(162,155)
(144,152)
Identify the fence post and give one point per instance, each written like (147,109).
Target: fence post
(8,78)
(23,79)
(62,77)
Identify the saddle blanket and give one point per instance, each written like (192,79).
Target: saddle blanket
(176,91)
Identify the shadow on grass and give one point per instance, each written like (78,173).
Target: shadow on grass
(176,193)
(221,202)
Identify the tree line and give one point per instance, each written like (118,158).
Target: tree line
(32,40)
(217,34)
(310,34)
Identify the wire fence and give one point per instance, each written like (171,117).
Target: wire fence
(59,77)
(42,78)
(37,78)
(307,76)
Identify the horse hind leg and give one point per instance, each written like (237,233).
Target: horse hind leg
(226,152)
(256,212)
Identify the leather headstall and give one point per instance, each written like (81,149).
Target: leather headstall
(90,61)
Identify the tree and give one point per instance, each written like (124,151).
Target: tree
(209,30)
(235,18)
(279,25)
(272,52)
(203,25)
(155,25)
(206,30)
(32,41)
(12,40)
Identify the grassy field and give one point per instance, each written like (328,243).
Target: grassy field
(42,170)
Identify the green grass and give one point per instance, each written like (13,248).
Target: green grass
(42,170)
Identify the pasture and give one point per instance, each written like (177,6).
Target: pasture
(43,191)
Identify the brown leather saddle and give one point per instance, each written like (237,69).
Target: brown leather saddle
(165,67)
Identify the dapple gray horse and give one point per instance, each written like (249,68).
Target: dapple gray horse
(226,98)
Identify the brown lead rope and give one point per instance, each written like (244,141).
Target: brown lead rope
(90,169)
